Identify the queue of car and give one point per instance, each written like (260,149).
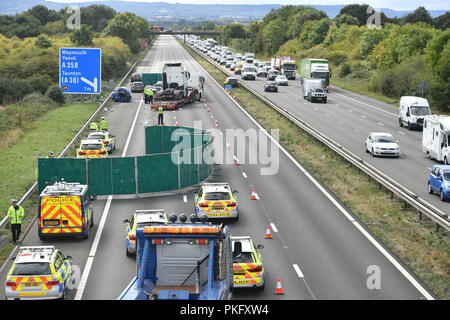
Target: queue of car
(414,113)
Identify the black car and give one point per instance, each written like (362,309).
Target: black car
(270,86)
(316,94)
(232,81)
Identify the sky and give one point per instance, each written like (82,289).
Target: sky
(391,4)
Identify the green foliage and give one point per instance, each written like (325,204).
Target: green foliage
(419,15)
(233,31)
(43,42)
(358,11)
(82,37)
(209,25)
(345,19)
(55,93)
(370,38)
(297,21)
(345,70)
(97,16)
(442,22)
(129,28)
(314,32)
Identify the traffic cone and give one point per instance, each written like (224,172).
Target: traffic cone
(268,234)
(279,289)
(236,161)
(176,123)
(254,195)
(209,109)
(216,122)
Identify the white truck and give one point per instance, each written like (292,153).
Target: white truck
(248,72)
(249,57)
(312,84)
(435,137)
(412,111)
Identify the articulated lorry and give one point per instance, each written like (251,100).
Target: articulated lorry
(182,261)
(286,65)
(179,86)
(315,68)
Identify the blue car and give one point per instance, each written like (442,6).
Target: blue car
(121,95)
(439,181)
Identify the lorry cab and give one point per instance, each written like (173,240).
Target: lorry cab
(65,210)
(412,111)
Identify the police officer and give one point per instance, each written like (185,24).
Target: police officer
(148,94)
(160,115)
(93,126)
(103,124)
(15,213)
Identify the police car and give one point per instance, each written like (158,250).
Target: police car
(40,272)
(92,148)
(109,141)
(248,269)
(216,200)
(141,218)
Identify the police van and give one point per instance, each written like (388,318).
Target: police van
(65,210)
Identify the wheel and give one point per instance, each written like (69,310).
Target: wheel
(365,148)
(325,101)
(262,287)
(430,189)
(42,238)
(400,122)
(92,221)
(128,253)
(373,153)
(86,235)
(441,195)
(445,161)
(409,126)
(236,219)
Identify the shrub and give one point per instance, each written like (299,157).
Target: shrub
(55,93)
(345,70)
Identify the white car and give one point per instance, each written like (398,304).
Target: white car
(281,80)
(382,144)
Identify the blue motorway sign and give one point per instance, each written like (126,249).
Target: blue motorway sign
(80,70)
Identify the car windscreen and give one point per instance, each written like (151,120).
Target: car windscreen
(271,83)
(318,90)
(249,69)
(31,269)
(217,196)
(385,139)
(97,136)
(447,175)
(91,147)
(420,110)
(244,257)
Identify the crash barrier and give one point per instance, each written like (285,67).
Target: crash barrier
(170,166)
(442,219)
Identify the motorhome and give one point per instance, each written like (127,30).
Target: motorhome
(435,137)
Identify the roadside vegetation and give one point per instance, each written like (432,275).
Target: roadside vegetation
(389,61)
(416,242)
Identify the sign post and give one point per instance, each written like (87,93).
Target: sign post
(80,70)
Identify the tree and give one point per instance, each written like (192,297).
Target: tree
(24,26)
(370,38)
(55,93)
(82,37)
(43,14)
(43,42)
(125,26)
(233,31)
(97,16)
(314,32)
(442,22)
(345,19)
(359,11)
(274,36)
(298,20)
(209,25)
(419,15)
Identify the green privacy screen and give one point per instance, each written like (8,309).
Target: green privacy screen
(167,166)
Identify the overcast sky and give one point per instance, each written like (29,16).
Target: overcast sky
(391,4)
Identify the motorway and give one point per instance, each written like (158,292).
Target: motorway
(348,118)
(319,250)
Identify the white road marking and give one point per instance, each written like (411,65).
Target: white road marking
(356,130)
(341,122)
(132,129)
(369,105)
(349,110)
(184,198)
(297,269)
(401,132)
(363,116)
(381,124)
(327,115)
(245,176)
(274,228)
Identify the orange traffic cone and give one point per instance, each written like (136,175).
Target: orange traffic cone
(279,289)
(216,122)
(268,234)
(254,195)
(209,109)
(236,161)
(176,123)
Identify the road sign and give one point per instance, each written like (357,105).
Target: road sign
(144,43)
(80,70)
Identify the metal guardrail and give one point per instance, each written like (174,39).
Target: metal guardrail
(421,205)
(75,138)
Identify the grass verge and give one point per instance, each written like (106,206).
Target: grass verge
(359,87)
(425,251)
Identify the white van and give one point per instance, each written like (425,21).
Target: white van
(435,137)
(412,111)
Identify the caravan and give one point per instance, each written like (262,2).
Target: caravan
(435,137)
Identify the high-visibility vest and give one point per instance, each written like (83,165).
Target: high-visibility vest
(160,110)
(150,92)
(104,125)
(16,215)
(94,126)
